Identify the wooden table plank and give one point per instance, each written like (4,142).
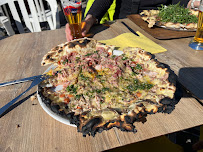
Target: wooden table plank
(29,128)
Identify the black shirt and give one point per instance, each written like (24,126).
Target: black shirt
(127,7)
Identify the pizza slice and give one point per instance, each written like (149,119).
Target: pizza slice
(74,48)
(78,46)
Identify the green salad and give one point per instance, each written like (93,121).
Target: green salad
(176,14)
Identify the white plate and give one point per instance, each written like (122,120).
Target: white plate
(50,112)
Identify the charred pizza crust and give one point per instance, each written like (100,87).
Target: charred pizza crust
(82,45)
(145,86)
(151,17)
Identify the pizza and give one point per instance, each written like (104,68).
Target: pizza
(97,90)
(172,17)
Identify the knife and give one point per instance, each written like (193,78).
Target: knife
(19,81)
(131,30)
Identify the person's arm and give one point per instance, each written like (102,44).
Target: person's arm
(99,8)
(182,2)
(193,4)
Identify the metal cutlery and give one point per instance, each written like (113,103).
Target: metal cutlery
(131,30)
(19,81)
(35,82)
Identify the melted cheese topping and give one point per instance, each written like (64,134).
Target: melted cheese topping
(97,81)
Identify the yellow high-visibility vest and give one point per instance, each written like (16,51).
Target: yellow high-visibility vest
(108,15)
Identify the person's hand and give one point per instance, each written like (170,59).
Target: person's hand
(86,25)
(69,37)
(192,4)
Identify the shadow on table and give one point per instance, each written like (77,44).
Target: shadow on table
(189,83)
(98,28)
(192,79)
(17,104)
(184,141)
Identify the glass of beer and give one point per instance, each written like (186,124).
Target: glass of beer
(197,42)
(73,12)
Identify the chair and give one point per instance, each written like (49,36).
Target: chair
(38,12)
(33,14)
(5,23)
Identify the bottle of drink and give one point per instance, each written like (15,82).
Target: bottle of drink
(197,42)
(199,33)
(73,12)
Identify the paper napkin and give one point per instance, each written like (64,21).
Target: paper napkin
(131,40)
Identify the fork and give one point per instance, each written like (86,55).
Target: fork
(35,82)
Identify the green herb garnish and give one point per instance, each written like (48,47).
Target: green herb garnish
(137,85)
(98,76)
(77,97)
(72,89)
(105,89)
(98,91)
(65,61)
(102,81)
(124,58)
(113,56)
(138,67)
(88,54)
(96,51)
(176,14)
(83,77)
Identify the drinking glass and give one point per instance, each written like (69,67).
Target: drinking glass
(197,42)
(73,12)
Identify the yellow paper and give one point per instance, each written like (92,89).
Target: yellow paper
(131,40)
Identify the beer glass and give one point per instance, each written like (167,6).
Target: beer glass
(73,12)
(197,42)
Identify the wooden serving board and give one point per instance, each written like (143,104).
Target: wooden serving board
(158,32)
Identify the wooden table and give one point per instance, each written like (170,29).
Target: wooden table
(27,127)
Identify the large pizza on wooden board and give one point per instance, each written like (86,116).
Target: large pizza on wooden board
(174,17)
(100,90)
